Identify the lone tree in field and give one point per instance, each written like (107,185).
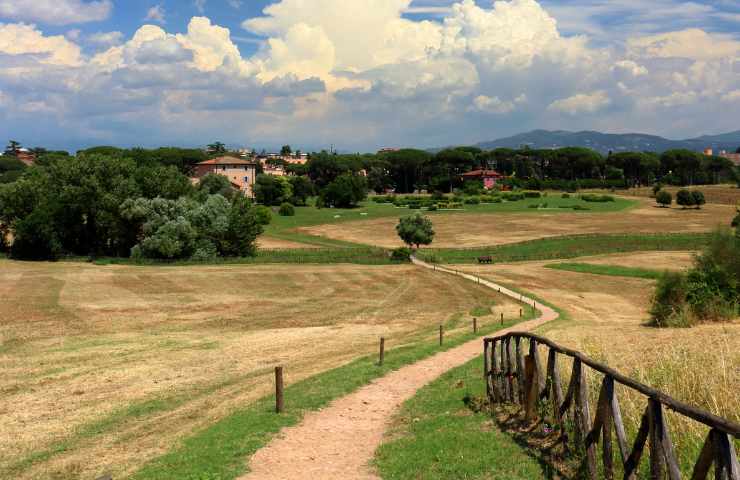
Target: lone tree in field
(664,199)
(416,230)
(685,198)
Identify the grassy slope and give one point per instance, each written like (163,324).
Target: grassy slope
(569,247)
(437,436)
(610,270)
(220,451)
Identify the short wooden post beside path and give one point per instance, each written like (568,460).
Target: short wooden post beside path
(381,355)
(279,401)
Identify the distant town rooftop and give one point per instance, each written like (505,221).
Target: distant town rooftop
(226,161)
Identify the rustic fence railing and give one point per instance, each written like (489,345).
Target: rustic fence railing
(513,377)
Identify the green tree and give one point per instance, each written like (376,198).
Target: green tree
(12,148)
(416,230)
(685,198)
(215,184)
(216,148)
(286,151)
(345,192)
(272,190)
(664,198)
(302,190)
(407,168)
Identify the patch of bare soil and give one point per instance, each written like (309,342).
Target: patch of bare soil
(81,344)
(271,243)
(475,230)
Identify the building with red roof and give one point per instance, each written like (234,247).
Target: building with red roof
(241,173)
(490,178)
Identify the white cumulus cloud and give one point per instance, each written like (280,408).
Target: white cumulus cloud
(581,103)
(20,39)
(56,12)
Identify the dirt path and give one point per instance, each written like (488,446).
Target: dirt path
(339,441)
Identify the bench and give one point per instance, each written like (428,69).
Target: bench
(486,259)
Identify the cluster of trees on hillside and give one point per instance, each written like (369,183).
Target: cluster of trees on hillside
(113,204)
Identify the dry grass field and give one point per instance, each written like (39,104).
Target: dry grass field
(606,321)
(103,368)
(720,194)
(476,230)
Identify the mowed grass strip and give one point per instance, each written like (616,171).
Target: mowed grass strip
(569,247)
(358,255)
(610,270)
(221,451)
(438,436)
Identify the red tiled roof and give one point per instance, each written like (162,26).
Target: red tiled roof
(226,161)
(483,173)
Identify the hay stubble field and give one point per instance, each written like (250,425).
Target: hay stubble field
(112,365)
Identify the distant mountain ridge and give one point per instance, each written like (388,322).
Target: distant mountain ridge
(613,142)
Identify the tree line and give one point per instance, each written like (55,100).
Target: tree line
(109,203)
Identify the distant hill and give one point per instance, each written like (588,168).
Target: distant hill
(610,142)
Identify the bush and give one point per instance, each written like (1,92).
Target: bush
(699,199)
(736,221)
(401,254)
(685,198)
(532,195)
(589,197)
(580,207)
(513,197)
(472,201)
(656,189)
(287,210)
(432,207)
(664,199)
(709,292)
(669,301)
(565,195)
(263,214)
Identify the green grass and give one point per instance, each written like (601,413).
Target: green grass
(360,255)
(569,247)
(439,437)
(610,270)
(219,452)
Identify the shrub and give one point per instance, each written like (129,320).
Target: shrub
(472,201)
(532,195)
(263,214)
(699,199)
(513,197)
(580,207)
(669,301)
(565,195)
(709,292)
(664,199)
(287,210)
(736,221)
(401,254)
(685,198)
(534,205)
(657,188)
(432,207)
(589,197)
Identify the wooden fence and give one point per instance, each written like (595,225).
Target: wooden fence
(516,378)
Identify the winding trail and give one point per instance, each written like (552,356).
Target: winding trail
(339,441)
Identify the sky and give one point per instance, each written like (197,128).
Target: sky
(362,74)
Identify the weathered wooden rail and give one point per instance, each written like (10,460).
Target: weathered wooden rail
(513,377)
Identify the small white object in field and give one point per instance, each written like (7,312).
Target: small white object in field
(364,214)
(337,216)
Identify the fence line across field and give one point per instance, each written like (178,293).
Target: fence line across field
(512,377)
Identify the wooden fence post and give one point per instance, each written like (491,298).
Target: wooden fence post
(381,356)
(279,401)
(531,386)
(502,318)
(441,335)
(475,325)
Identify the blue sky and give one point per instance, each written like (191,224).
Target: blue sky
(362,74)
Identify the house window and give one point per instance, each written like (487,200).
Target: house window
(246,179)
